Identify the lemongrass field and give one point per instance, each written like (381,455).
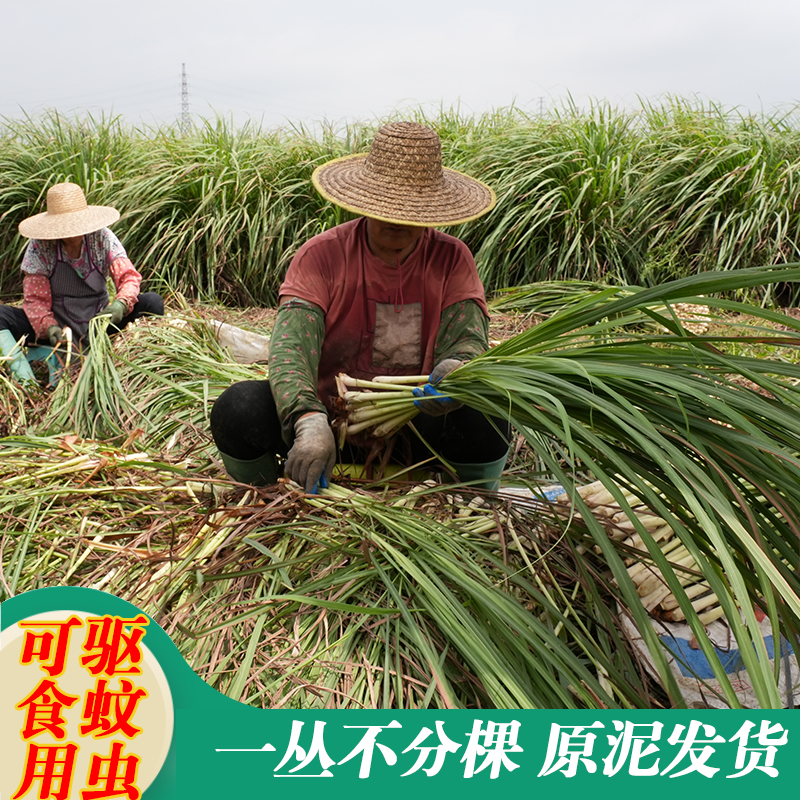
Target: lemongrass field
(624,196)
(610,226)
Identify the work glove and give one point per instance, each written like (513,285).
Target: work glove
(313,453)
(115,310)
(433,403)
(56,335)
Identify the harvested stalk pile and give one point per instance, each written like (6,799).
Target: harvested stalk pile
(358,598)
(655,594)
(373,597)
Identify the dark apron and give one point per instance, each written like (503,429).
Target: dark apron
(75,299)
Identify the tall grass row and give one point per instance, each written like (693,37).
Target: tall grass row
(600,194)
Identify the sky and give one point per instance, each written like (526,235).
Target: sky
(304,62)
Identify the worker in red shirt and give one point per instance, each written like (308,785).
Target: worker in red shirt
(385,294)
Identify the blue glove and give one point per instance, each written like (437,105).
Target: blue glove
(434,403)
(322,483)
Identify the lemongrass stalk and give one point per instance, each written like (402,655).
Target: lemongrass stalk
(74,566)
(105,579)
(662,533)
(376,414)
(391,426)
(390,403)
(61,468)
(653,599)
(400,379)
(478,526)
(471,507)
(702,603)
(706,618)
(673,545)
(650,521)
(376,397)
(359,383)
(353,429)
(695,590)
(650,583)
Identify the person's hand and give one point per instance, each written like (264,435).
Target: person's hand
(56,335)
(115,310)
(433,403)
(313,453)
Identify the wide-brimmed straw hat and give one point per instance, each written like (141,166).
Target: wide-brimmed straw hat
(67,215)
(402,180)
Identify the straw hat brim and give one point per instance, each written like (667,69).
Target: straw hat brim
(73,223)
(458,198)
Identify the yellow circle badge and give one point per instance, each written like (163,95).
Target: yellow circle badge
(87,711)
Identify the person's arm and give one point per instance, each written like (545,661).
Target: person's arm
(37,303)
(127,282)
(463,332)
(108,249)
(294,353)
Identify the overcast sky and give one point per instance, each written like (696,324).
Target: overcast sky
(279,62)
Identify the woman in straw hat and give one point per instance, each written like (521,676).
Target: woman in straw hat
(65,268)
(385,294)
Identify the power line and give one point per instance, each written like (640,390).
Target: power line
(186,120)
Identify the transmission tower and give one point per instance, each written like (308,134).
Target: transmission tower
(186,120)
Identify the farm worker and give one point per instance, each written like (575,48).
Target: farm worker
(384,294)
(65,268)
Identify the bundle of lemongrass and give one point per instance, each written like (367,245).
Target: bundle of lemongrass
(652,587)
(383,404)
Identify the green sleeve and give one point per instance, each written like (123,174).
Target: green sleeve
(294,352)
(463,332)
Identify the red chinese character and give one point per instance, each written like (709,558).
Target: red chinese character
(53,766)
(43,708)
(102,720)
(40,647)
(109,645)
(114,775)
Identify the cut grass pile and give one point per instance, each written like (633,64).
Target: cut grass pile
(366,596)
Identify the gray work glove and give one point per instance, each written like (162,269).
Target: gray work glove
(115,310)
(56,335)
(433,403)
(313,453)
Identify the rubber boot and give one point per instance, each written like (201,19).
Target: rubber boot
(261,471)
(488,473)
(50,357)
(18,364)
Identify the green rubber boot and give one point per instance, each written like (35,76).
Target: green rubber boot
(17,363)
(51,358)
(261,471)
(488,473)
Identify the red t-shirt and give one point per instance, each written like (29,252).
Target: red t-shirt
(379,319)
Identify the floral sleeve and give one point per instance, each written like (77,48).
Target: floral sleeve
(37,303)
(294,353)
(39,257)
(463,332)
(126,281)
